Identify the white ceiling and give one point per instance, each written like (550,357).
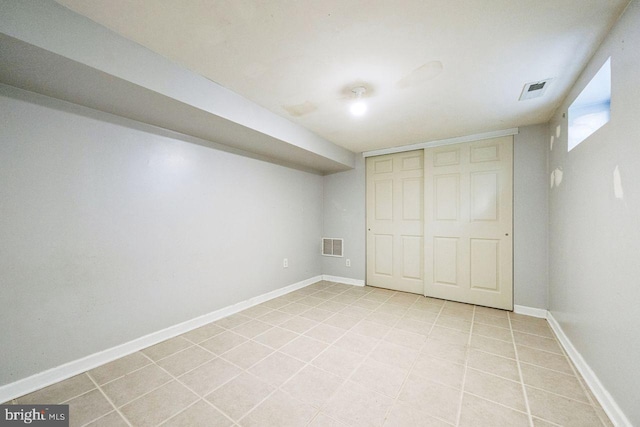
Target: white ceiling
(433,69)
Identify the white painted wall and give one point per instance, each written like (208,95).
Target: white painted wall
(594,237)
(344,216)
(110,230)
(531,216)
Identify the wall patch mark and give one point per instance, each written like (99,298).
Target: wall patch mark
(618,191)
(558,174)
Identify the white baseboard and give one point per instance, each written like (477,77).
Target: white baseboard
(344,280)
(530,311)
(68,370)
(604,398)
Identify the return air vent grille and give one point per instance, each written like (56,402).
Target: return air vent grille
(332,247)
(534,89)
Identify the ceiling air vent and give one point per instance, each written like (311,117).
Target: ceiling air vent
(332,247)
(534,89)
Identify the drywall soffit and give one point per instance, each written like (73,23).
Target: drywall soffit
(47,66)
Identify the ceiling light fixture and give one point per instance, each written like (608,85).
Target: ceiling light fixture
(358,108)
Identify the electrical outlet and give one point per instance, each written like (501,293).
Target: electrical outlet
(285,263)
(348,262)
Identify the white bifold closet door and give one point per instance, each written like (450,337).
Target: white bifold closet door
(468,222)
(395,203)
(463,227)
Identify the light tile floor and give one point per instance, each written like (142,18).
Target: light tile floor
(337,355)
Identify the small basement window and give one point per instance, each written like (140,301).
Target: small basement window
(592,108)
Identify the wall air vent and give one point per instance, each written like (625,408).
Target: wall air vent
(332,247)
(534,89)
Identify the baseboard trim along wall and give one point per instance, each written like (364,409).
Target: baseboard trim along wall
(604,398)
(530,311)
(68,370)
(344,280)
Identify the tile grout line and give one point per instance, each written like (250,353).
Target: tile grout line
(147,392)
(492,354)
(575,374)
(153,363)
(578,378)
(344,380)
(276,388)
(174,378)
(497,339)
(243,371)
(246,370)
(524,389)
(64,402)
(541,349)
(507,378)
(126,420)
(275,351)
(536,335)
(395,399)
(122,376)
(179,412)
(549,369)
(497,403)
(305,364)
(380,340)
(560,395)
(369,353)
(549,422)
(404,382)
(466,368)
(16,400)
(137,397)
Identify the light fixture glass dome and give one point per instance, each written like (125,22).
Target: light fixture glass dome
(358,108)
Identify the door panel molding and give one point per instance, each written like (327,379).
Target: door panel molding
(479,270)
(395,220)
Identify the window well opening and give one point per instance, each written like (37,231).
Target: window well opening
(592,108)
